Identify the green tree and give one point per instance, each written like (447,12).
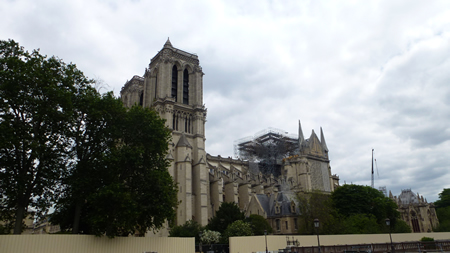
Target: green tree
(119,199)
(401,227)
(443,211)
(95,129)
(210,237)
(357,199)
(444,199)
(443,215)
(237,228)
(189,229)
(228,213)
(316,205)
(361,224)
(259,224)
(36,106)
(427,239)
(3,229)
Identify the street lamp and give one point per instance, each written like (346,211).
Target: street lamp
(200,241)
(388,223)
(316,225)
(265,235)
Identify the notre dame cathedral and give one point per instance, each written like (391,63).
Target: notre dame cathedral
(173,86)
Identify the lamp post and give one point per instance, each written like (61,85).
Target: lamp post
(265,235)
(316,225)
(388,223)
(200,241)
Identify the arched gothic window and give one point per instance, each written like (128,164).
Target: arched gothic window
(156,86)
(141,99)
(185,87)
(429,217)
(174,82)
(125,100)
(415,222)
(186,124)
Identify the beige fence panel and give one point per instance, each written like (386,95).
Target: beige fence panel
(92,244)
(251,244)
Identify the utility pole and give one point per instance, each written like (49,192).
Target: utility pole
(373,184)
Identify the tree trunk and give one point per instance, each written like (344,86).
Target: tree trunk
(20,213)
(76,219)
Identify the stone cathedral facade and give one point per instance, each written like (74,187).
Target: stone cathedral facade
(416,211)
(173,85)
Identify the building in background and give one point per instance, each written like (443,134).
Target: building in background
(416,211)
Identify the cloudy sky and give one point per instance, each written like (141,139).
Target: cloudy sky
(372,74)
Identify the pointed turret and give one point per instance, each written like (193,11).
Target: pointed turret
(168,44)
(183,142)
(169,156)
(312,135)
(322,140)
(301,138)
(390,194)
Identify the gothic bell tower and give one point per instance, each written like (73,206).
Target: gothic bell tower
(173,86)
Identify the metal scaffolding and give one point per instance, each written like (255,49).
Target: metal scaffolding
(267,148)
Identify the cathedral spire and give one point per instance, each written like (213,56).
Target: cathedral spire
(301,139)
(168,44)
(322,140)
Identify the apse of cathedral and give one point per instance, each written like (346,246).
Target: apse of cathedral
(416,211)
(173,85)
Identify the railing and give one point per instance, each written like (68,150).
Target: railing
(436,246)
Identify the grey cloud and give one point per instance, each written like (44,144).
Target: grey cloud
(373,74)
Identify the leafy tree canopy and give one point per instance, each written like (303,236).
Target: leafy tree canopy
(210,237)
(189,229)
(357,199)
(62,142)
(401,227)
(118,199)
(443,211)
(361,224)
(259,224)
(237,228)
(444,199)
(36,106)
(228,213)
(350,209)
(443,215)
(316,205)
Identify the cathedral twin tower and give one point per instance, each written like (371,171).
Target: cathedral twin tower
(172,85)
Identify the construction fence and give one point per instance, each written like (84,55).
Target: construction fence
(437,246)
(277,243)
(93,244)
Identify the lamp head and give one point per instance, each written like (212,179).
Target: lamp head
(316,223)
